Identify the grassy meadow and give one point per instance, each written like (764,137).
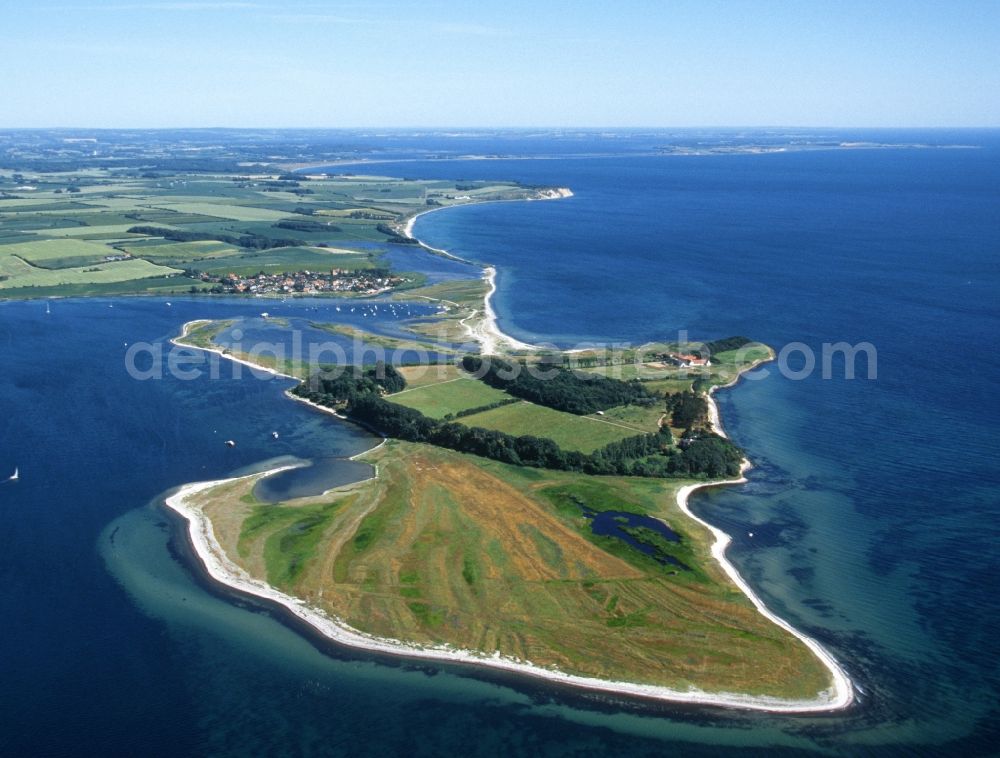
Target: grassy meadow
(448,548)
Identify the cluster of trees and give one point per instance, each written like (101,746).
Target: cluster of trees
(562,389)
(687,409)
(306,226)
(358,391)
(706,454)
(527,450)
(345,386)
(727,343)
(251,241)
(482,408)
(396,239)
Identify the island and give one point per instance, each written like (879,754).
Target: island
(528,512)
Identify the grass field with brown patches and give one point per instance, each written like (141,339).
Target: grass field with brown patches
(447,548)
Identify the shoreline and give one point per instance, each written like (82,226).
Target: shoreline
(189,325)
(842,690)
(715,418)
(487,331)
(222,570)
(839,696)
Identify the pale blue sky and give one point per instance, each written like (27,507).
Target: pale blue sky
(148,63)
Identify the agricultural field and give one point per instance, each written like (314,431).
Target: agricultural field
(423,376)
(570,432)
(448,548)
(173,226)
(18,274)
(448,391)
(644,419)
(57,253)
(449,397)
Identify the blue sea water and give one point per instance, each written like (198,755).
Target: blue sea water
(874,504)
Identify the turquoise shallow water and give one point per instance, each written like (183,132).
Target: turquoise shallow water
(873,504)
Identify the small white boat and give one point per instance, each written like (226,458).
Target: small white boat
(274,435)
(169,304)
(14,477)
(230,443)
(47,308)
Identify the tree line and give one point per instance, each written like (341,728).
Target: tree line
(247,240)
(564,390)
(307,226)
(358,391)
(728,343)
(687,409)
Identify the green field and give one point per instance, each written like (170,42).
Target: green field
(583,433)
(57,253)
(422,376)
(181,252)
(334,222)
(21,275)
(645,419)
(221,210)
(449,397)
(444,548)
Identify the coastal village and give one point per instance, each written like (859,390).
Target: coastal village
(373,282)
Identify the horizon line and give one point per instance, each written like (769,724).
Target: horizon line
(440,128)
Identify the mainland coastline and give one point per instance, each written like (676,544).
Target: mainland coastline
(490,337)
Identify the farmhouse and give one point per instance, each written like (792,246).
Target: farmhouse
(687,360)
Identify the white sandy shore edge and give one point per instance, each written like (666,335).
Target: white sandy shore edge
(221,569)
(190,325)
(841,694)
(486,329)
(714,417)
(553,194)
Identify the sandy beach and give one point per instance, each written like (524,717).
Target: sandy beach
(556,193)
(186,330)
(218,566)
(221,569)
(487,333)
(484,328)
(841,694)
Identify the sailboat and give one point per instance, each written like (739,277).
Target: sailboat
(14,477)
(47,309)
